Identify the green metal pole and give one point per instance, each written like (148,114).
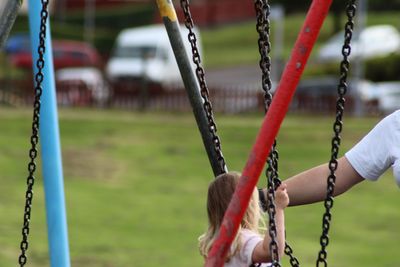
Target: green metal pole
(170,20)
(7,18)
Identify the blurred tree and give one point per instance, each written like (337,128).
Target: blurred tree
(388,5)
(337,9)
(294,6)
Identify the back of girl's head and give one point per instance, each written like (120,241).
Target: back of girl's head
(220,192)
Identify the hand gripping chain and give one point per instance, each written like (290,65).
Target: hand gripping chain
(263,28)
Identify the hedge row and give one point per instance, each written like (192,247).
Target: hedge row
(378,69)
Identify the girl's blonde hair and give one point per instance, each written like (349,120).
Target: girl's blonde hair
(220,192)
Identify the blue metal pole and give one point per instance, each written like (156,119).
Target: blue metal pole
(50,146)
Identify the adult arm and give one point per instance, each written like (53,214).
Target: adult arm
(310,186)
(368,159)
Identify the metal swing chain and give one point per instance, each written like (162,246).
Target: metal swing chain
(263,28)
(264,46)
(337,128)
(35,134)
(200,74)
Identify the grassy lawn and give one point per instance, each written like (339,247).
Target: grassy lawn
(136,185)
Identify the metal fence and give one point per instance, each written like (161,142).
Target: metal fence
(135,96)
(132,95)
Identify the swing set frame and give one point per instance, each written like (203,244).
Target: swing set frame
(265,141)
(198,96)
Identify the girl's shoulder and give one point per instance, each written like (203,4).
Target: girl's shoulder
(248,232)
(246,235)
(249,240)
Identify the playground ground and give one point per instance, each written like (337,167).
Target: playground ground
(136,185)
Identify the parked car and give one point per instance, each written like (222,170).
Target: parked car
(146,52)
(83,85)
(388,96)
(66,53)
(320,94)
(373,41)
(17,43)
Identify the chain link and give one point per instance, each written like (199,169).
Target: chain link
(264,46)
(293,260)
(35,135)
(200,74)
(337,128)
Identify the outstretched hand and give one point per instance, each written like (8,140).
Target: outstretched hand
(281,197)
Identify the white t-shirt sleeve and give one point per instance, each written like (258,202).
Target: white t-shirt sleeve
(374,154)
(250,241)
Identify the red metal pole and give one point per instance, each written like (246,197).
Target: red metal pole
(269,129)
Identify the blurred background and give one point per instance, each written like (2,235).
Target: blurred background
(99,63)
(135,191)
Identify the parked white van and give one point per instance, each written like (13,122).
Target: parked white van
(373,41)
(146,52)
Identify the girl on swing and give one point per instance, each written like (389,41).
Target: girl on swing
(251,244)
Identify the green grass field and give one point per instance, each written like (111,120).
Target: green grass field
(136,185)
